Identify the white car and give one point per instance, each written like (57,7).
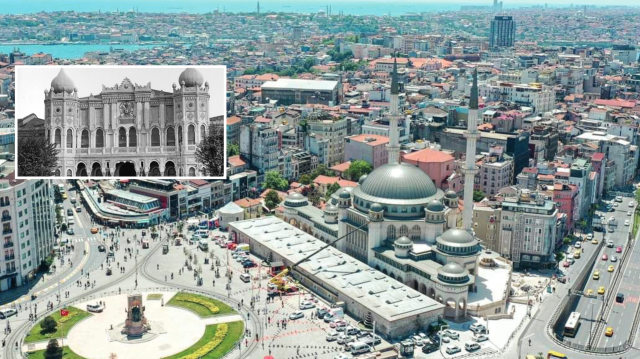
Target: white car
(480,338)
(631,204)
(341,356)
(417,340)
(590,236)
(629,213)
(333,335)
(578,245)
(479,328)
(307,305)
(626,223)
(95,308)
(452,349)
(296,315)
(6,313)
(615,205)
(451,334)
(345,339)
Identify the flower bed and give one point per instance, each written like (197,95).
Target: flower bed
(221,333)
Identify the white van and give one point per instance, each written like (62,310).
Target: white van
(359,348)
(6,313)
(337,312)
(471,346)
(245,277)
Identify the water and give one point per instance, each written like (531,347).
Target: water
(70,51)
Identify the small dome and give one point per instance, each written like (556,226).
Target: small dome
(457,236)
(403,241)
(295,200)
(453,268)
(376,207)
(362,178)
(191,77)
(345,194)
(435,206)
(62,83)
(450,194)
(330,208)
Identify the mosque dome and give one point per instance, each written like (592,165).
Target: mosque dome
(457,242)
(399,181)
(376,207)
(403,241)
(295,200)
(345,194)
(62,83)
(452,268)
(330,208)
(435,206)
(453,273)
(362,178)
(457,236)
(191,78)
(450,194)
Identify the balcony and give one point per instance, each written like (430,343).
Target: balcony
(10,270)
(9,257)
(6,218)
(8,244)
(7,231)
(5,204)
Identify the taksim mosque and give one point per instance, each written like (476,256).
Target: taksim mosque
(397,221)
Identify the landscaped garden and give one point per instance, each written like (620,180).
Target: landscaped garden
(217,341)
(201,305)
(56,325)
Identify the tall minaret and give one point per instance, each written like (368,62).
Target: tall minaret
(470,168)
(394,147)
(258,8)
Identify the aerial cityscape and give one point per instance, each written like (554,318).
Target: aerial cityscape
(375,180)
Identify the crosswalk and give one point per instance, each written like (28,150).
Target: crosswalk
(83,239)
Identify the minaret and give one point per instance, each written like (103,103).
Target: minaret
(393,147)
(258,9)
(470,168)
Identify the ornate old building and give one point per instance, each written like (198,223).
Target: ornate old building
(128,129)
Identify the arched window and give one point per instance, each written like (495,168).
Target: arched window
(132,137)
(155,137)
(179,135)
(203,133)
(84,142)
(122,137)
(69,138)
(404,231)
(191,135)
(171,136)
(69,173)
(415,233)
(391,232)
(192,171)
(99,138)
(58,137)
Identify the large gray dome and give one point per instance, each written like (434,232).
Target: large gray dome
(62,83)
(457,236)
(191,77)
(400,181)
(452,268)
(451,194)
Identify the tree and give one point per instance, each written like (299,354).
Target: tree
(180,227)
(63,227)
(209,153)
(332,188)
(305,179)
(53,350)
(274,180)
(313,196)
(559,256)
(357,169)
(233,149)
(321,170)
(37,157)
(566,241)
(478,196)
(48,324)
(272,200)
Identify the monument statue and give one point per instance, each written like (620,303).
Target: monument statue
(136,324)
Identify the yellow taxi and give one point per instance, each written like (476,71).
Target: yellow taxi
(608,332)
(94,230)
(610,269)
(594,241)
(596,274)
(589,292)
(601,290)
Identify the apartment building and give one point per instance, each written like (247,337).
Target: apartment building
(369,148)
(496,172)
(334,131)
(541,98)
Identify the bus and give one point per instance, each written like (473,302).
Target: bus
(572,325)
(555,355)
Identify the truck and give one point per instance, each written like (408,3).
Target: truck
(243,247)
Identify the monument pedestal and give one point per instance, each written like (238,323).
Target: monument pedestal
(136,324)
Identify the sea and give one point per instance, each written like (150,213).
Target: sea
(352,7)
(68,51)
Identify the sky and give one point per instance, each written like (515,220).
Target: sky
(31,81)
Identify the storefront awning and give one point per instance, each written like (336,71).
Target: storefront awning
(143,221)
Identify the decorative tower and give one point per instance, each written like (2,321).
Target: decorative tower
(470,168)
(344,203)
(61,118)
(394,147)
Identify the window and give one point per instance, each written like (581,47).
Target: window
(132,137)
(391,232)
(171,137)
(155,137)
(122,137)
(69,138)
(192,171)
(84,142)
(191,135)
(203,133)
(404,231)
(415,233)
(99,138)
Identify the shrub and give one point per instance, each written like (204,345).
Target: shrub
(48,324)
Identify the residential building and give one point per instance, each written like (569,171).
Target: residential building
(334,131)
(297,91)
(496,172)
(503,32)
(440,166)
(233,130)
(539,97)
(259,145)
(368,148)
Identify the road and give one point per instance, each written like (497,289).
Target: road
(590,307)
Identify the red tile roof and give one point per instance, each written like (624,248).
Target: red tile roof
(233,120)
(598,156)
(428,155)
(341,167)
(248,202)
(198,182)
(236,161)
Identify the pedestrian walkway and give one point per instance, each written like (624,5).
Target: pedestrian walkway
(223,319)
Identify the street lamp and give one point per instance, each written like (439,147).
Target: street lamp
(520,343)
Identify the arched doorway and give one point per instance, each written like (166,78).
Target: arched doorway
(169,169)
(125,169)
(81,170)
(462,308)
(192,171)
(415,284)
(423,289)
(450,308)
(69,173)
(431,293)
(293,222)
(96,169)
(57,174)
(385,271)
(392,276)
(154,169)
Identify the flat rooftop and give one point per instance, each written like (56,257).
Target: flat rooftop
(359,282)
(297,84)
(132,196)
(491,284)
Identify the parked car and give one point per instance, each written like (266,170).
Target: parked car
(307,305)
(321,312)
(605,257)
(352,331)
(417,340)
(296,315)
(578,245)
(478,328)
(480,338)
(562,279)
(332,335)
(249,264)
(345,339)
(6,313)
(452,349)
(369,339)
(471,346)
(626,223)
(70,231)
(429,348)
(451,334)
(328,317)
(614,258)
(619,249)
(95,308)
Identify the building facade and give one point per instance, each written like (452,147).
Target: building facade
(503,32)
(128,129)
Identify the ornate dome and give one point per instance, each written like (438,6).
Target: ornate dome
(435,206)
(362,178)
(191,77)
(457,236)
(376,207)
(330,208)
(344,193)
(403,241)
(295,200)
(399,181)
(62,82)
(451,194)
(452,268)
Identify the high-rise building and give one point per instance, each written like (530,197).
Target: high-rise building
(28,219)
(503,31)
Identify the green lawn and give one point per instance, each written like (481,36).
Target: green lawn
(154,296)
(36,334)
(67,353)
(636,223)
(180,300)
(236,331)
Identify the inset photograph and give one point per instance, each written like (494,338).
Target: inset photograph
(120,121)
